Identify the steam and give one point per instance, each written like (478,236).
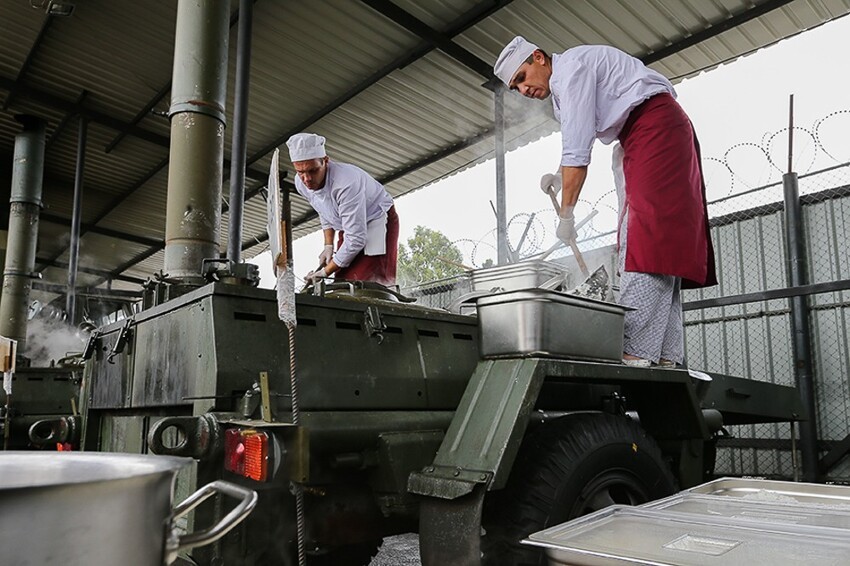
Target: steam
(51,339)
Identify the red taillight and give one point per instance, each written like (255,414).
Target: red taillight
(246,452)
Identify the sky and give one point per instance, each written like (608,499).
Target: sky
(736,109)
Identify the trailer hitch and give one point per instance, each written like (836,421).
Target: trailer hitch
(55,431)
(196,437)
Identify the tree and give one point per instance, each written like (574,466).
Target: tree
(429,255)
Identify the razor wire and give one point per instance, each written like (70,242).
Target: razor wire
(746,175)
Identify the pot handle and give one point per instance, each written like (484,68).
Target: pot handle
(248,500)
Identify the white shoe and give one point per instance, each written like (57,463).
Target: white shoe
(638,363)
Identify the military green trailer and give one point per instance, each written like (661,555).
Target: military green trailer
(402,424)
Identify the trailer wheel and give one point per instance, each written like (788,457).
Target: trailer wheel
(568,468)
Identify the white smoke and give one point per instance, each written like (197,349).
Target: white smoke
(50,339)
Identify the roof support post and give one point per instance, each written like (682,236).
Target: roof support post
(76,215)
(240,127)
(801,342)
(502,252)
(193,210)
(24,207)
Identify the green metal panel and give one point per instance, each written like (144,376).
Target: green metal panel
(488,425)
(119,433)
(228,334)
(743,401)
(164,374)
(44,391)
(108,378)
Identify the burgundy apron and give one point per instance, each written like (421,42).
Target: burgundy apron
(668,231)
(378,268)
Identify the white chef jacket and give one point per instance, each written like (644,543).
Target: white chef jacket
(350,199)
(594,88)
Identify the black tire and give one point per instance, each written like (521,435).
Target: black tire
(568,468)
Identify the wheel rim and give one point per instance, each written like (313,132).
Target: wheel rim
(611,487)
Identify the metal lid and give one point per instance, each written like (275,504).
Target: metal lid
(45,469)
(513,269)
(536,294)
(630,535)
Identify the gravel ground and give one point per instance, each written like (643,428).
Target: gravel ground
(400,550)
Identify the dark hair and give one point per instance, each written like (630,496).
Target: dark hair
(531,57)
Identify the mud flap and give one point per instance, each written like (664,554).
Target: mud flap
(450,529)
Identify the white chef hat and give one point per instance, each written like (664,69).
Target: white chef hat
(306,146)
(512,57)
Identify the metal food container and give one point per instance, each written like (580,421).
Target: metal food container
(633,535)
(535,322)
(96,509)
(772,491)
(522,275)
(764,511)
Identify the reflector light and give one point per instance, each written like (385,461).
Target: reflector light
(246,452)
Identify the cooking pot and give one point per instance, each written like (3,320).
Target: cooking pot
(101,509)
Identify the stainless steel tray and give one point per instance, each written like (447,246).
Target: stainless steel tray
(771,491)
(522,275)
(834,516)
(633,535)
(535,322)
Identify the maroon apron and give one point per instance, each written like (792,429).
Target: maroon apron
(668,231)
(378,268)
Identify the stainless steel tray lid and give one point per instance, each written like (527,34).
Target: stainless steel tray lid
(535,294)
(635,535)
(774,491)
(518,268)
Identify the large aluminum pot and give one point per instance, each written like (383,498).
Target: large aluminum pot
(100,509)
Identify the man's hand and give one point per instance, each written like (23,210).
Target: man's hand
(314,276)
(566,231)
(551,183)
(327,254)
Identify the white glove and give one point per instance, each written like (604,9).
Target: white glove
(327,254)
(566,231)
(314,276)
(551,182)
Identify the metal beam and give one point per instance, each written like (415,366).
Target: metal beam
(772,294)
(45,25)
(117,234)
(238,146)
(443,42)
(102,273)
(141,115)
(86,291)
(69,107)
(116,273)
(57,131)
(480,12)
(714,30)
(74,246)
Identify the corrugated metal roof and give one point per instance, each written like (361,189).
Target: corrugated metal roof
(384,97)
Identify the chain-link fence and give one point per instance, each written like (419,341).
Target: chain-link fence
(744,333)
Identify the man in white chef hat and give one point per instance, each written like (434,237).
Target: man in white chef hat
(600,92)
(350,204)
